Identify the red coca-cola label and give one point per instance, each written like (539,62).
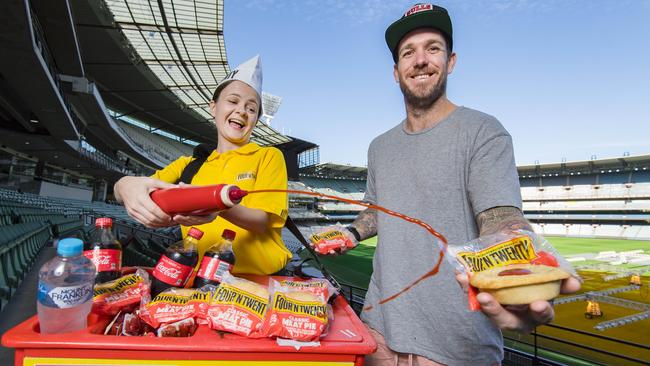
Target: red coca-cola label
(212,268)
(105,260)
(172,273)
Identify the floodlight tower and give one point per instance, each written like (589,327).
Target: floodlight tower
(270,105)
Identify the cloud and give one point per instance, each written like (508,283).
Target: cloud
(361,12)
(350,11)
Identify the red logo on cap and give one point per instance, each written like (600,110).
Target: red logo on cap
(418,8)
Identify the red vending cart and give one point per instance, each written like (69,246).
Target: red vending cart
(346,343)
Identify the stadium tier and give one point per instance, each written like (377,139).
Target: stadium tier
(162,148)
(24,230)
(597,198)
(594,230)
(29,221)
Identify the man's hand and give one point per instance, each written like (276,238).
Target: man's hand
(134,192)
(521,318)
(333,240)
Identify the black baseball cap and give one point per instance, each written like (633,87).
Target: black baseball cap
(419,16)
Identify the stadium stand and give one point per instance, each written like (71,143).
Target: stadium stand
(161,148)
(599,198)
(35,207)
(607,198)
(24,230)
(29,221)
(335,180)
(71,125)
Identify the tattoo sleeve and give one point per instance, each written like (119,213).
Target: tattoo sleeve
(366,223)
(503,218)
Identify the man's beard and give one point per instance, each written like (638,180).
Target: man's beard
(427,100)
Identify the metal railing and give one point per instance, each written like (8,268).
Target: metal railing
(534,354)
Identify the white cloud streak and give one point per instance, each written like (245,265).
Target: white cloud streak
(360,12)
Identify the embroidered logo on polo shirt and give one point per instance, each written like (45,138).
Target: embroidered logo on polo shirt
(246,175)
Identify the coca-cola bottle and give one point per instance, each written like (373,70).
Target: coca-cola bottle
(105,251)
(176,265)
(217,260)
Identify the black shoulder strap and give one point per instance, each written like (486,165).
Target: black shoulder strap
(200,155)
(289,224)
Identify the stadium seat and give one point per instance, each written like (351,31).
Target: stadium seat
(19,244)
(155,246)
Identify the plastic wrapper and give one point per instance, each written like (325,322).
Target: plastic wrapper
(298,313)
(516,268)
(122,294)
(115,325)
(181,328)
(128,324)
(203,305)
(134,326)
(332,238)
(317,286)
(239,306)
(175,304)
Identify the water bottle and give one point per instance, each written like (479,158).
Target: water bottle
(65,289)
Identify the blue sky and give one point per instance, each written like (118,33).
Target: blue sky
(568,79)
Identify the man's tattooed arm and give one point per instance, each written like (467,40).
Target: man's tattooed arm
(502,218)
(366,223)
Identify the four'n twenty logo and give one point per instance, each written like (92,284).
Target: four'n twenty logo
(246,175)
(231,74)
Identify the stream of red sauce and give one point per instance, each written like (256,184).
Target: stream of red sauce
(443,247)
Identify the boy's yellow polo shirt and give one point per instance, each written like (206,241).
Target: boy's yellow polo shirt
(248,167)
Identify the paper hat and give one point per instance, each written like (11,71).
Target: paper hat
(250,72)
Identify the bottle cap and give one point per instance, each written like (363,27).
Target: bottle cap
(236,194)
(103,222)
(195,233)
(228,234)
(69,247)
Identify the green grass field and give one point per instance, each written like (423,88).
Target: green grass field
(568,246)
(354,268)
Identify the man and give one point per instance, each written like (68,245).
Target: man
(452,167)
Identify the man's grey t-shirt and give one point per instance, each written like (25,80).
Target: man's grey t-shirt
(444,176)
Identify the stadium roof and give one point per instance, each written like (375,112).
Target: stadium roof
(67,63)
(331,170)
(159,61)
(624,163)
